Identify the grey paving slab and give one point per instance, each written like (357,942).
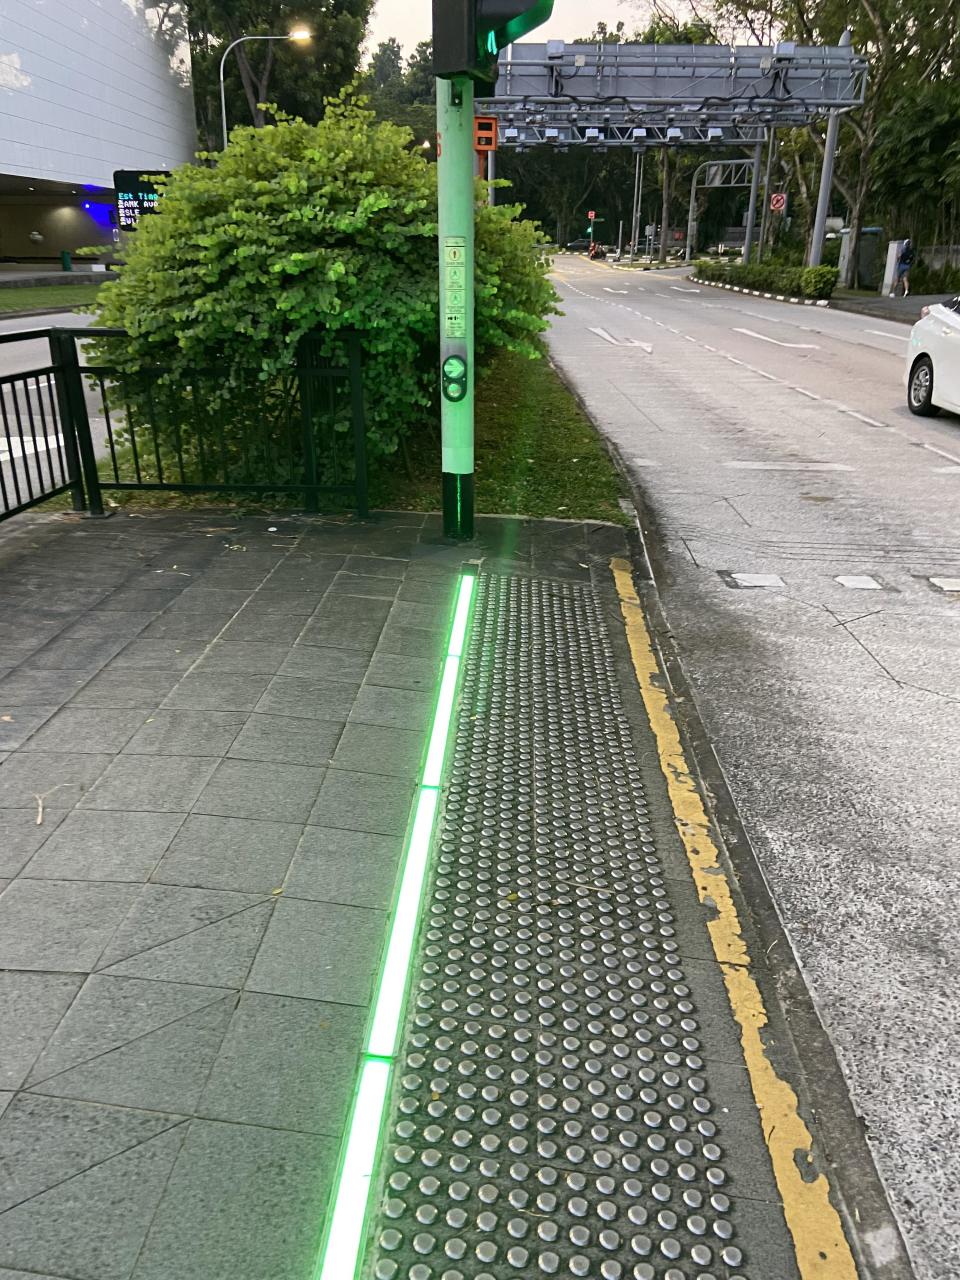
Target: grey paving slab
(412,642)
(59,925)
(25,687)
(368,748)
(170,654)
(45,1141)
(5,1274)
(118,687)
(93,1223)
(61,777)
(193,625)
(150,783)
(186,733)
(287,1064)
(86,730)
(126,624)
(260,789)
(161,1070)
(274,601)
(321,951)
(242,657)
(77,652)
(399,671)
(216,691)
(219,953)
(358,584)
(394,708)
(354,867)
(306,697)
(18,723)
(431,615)
(288,740)
(194,598)
(238,854)
(91,845)
(31,1006)
(22,837)
(376,566)
(136,600)
(264,628)
(325,662)
(363,802)
(249,1200)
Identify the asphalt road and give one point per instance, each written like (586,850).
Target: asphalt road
(773,440)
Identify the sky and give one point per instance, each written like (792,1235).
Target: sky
(410,20)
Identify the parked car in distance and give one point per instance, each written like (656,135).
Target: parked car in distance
(933,361)
(579,246)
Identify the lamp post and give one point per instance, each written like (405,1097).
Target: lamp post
(300,34)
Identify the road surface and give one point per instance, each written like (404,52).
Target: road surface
(809,532)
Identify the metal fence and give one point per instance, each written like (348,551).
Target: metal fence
(69,425)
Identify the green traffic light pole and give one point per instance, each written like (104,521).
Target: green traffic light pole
(456,214)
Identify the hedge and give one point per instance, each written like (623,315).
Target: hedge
(795,282)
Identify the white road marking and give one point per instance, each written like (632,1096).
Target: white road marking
(800,346)
(811,395)
(861,417)
(858,582)
(679,289)
(788,466)
(900,337)
(626,342)
(942,452)
(46,445)
(758,580)
(946,584)
(607,289)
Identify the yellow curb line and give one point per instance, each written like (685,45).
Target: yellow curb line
(821,1248)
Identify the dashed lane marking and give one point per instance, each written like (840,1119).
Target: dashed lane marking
(858,582)
(799,346)
(899,337)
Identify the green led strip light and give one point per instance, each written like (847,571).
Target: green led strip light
(341,1250)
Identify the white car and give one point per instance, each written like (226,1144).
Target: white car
(933,360)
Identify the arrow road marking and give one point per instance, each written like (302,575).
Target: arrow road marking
(627,342)
(803,346)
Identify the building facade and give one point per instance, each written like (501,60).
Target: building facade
(86,87)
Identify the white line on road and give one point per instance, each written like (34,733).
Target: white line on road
(900,337)
(802,346)
(811,395)
(788,466)
(679,289)
(607,289)
(627,342)
(942,452)
(861,417)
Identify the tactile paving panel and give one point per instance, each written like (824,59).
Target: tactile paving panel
(551,1114)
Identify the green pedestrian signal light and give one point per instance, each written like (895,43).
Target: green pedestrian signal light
(468,34)
(454,372)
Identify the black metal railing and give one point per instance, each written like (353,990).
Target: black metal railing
(86,427)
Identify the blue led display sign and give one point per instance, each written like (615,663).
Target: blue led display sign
(136,195)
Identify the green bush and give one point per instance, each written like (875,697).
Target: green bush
(926,279)
(298,228)
(818,282)
(792,282)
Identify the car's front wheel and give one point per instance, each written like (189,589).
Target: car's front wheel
(920,388)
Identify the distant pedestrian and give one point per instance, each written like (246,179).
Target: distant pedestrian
(904,263)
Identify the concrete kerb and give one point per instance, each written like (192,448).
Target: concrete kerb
(757,293)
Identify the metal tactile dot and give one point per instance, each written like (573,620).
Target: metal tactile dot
(553,1105)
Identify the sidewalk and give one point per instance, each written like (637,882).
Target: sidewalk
(212,730)
(901,310)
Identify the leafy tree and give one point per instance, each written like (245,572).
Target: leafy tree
(297,77)
(302,228)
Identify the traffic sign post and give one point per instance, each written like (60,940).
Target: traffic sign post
(467,36)
(778,202)
(455,130)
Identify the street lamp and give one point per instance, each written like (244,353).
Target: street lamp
(299,34)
